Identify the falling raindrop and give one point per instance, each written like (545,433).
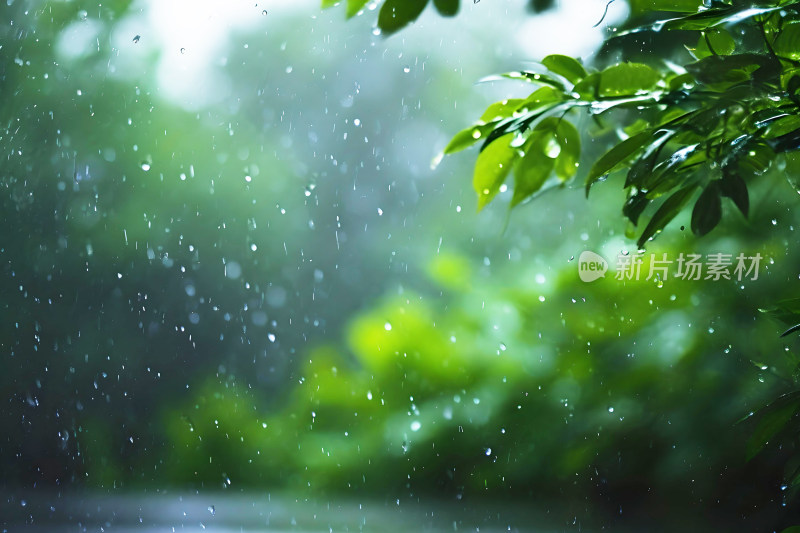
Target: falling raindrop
(136,39)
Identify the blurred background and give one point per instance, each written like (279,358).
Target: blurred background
(230,264)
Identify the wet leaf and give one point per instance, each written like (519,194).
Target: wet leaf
(534,168)
(786,311)
(773,419)
(683,6)
(735,68)
(570,141)
(791,330)
(396,14)
(447,8)
(565,66)
(493,165)
(707,210)
(354,6)
(721,43)
(666,212)
(787,43)
(634,207)
(733,186)
(616,156)
(501,109)
(467,137)
(627,79)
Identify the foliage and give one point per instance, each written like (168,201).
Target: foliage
(507,386)
(713,125)
(397,14)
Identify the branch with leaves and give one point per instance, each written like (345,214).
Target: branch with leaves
(704,129)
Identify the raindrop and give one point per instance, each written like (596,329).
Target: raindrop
(136,39)
(264,12)
(183,50)
(406,69)
(212,510)
(488,452)
(387,326)
(233,270)
(552,149)
(415,425)
(145,166)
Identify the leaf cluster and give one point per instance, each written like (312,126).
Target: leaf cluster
(698,132)
(397,14)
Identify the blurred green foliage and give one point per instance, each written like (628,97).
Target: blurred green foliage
(225,297)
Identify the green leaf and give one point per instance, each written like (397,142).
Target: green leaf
(782,126)
(616,156)
(446,8)
(791,330)
(588,87)
(669,172)
(534,168)
(791,529)
(492,167)
(530,77)
(707,210)
(786,311)
(569,141)
(642,169)
(627,79)
(467,137)
(540,97)
(683,6)
(354,6)
(787,43)
(735,68)
(664,215)
(757,158)
(703,20)
(721,42)
(396,14)
(774,418)
(733,186)
(501,109)
(565,66)
(634,207)
(329,3)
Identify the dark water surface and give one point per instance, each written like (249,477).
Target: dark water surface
(258,512)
